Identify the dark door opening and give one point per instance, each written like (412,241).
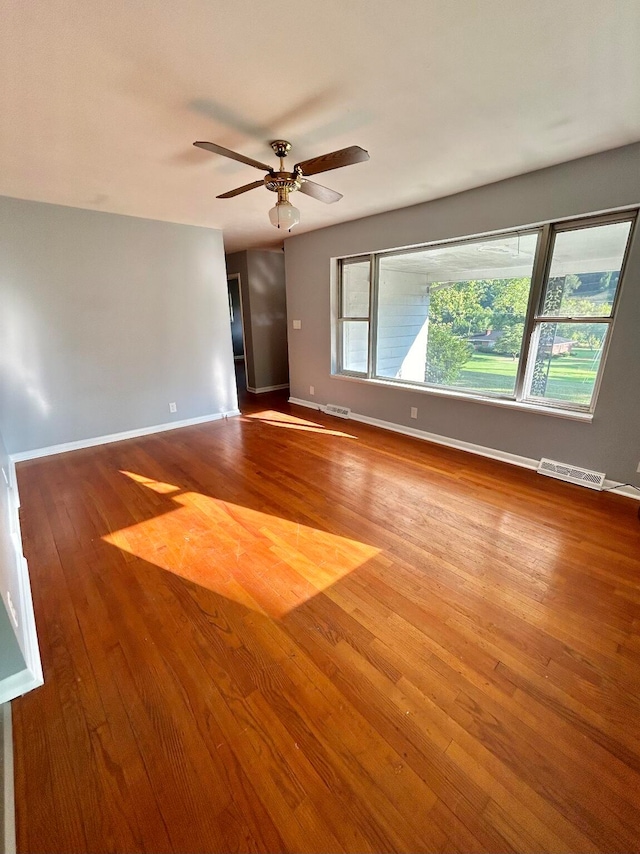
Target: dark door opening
(237,331)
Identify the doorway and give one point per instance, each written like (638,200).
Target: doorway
(237,332)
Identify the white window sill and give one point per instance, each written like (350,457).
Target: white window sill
(521,406)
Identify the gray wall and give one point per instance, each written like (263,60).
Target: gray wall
(611,443)
(104,320)
(265,315)
(11,658)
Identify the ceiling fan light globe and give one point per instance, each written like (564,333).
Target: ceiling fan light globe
(284,215)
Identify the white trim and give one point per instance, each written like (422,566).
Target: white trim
(17,685)
(31,677)
(117,437)
(621,489)
(13,485)
(470,447)
(480,450)
(9,837)
(415,433)
(298,401)
(267,388)
(504,403)
(31,649)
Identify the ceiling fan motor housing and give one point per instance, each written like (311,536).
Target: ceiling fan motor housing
(282,181)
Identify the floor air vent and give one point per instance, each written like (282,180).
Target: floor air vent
(572,474)
(340,411)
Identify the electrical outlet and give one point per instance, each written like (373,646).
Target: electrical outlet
(414,411)
(297,324)
(173,407)
(312,389)
(12,610)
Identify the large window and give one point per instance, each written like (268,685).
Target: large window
(524,316)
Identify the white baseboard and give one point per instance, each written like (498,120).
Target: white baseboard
(480,450)
(309,405)
(265,388)
(31,677)
(414,432)
(620,489)
(117,437)
(7,786)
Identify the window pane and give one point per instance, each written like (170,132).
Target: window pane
(355,289)
(585,268)
(355,345)
(454,315)
(567,359)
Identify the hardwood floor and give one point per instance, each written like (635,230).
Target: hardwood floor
(287,632)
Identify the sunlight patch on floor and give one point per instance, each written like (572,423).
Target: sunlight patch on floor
(155,485)
(280,419)
(264,562)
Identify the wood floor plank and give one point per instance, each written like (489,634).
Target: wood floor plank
(283,632)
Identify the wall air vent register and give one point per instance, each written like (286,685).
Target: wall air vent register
(572,474)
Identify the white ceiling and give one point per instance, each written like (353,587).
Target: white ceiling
(101,99)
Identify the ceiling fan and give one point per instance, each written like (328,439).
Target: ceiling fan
(284,214)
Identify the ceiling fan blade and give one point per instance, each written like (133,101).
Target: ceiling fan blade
(334,160)
(245,189)
(226,152)
(317,191)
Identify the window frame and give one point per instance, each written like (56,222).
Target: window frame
(341,319)
(539,318)
(520,399)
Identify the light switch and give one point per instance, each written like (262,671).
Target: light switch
(297,324)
